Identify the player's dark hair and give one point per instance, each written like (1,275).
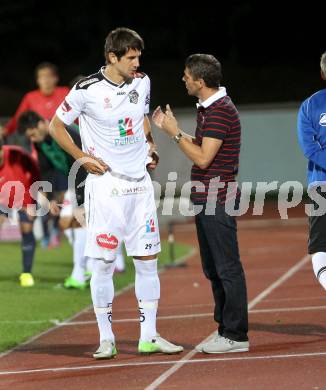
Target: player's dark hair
(206,67)
(46,65)
(120,40)
(28,120)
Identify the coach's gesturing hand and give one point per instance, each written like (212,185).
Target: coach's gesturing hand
(166,121)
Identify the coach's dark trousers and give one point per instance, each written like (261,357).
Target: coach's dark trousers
(218,243)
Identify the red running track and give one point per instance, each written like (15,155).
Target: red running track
(287,329)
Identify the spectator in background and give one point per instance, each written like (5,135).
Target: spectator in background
(18,171)
(44,100)
(312,140)
(53,159)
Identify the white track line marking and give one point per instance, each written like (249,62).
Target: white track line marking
(158,363)
(163,377)
(254,223)
(172,317)
(295,299)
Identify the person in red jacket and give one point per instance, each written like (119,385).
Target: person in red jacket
(44,100)
(18,172)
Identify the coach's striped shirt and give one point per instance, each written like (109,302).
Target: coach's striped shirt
(217,117)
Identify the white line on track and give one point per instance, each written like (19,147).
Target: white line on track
(158,363)
(176,366)
(172,317)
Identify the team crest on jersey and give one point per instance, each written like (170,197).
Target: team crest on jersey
(322,120)
(133,96)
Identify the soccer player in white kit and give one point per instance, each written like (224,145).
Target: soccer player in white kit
(112,107)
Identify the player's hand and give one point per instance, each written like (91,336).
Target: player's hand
(155,157)
(54,208)
(93,164)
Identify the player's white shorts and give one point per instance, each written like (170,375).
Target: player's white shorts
(119,210)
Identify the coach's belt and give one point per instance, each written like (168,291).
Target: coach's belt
(125,177)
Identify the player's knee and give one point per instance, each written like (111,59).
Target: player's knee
(147,283)
(102,266)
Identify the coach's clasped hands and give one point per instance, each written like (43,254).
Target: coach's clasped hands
(166,121)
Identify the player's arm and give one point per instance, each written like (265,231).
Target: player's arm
(11,125)
(152,146)
(308,138)
(202,155)
(60,134)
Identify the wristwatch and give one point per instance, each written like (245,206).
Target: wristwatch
(177,137)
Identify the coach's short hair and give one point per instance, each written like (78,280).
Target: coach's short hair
(28,120)
(120,40)
(323,63)
(206,67)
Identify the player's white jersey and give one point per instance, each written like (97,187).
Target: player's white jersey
(111,120)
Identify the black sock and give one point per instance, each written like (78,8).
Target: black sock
(45,225)
(28,249)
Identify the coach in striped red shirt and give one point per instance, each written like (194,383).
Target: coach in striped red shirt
(215,153)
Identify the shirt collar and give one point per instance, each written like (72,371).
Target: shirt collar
(216,96)
(110,81)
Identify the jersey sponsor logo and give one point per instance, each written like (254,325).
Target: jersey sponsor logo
(127,136)
(133,96)
(65,106)
(120,93)
(107,241)
(115,192)
(128,191)
(322,120)
(125,127)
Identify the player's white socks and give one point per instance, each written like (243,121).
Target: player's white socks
(102,290)
(79,241)
(69,234)
(147,288)
(89,264)
(319,266)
